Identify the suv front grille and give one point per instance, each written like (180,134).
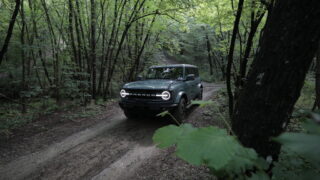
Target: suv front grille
(142,94)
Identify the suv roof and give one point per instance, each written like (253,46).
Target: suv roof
(174,65)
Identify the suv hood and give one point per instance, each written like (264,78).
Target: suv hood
(150,84)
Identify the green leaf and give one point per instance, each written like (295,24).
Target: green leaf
(210,146)
(306,145)
(311,126)
(243,160)
(169,135)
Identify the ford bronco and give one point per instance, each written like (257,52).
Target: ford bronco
(167,87)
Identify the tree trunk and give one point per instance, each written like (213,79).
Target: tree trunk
(209,54)
(9,32)
(71,35)
(317,101)
(55,54)
(277,75)
(244,62)
(230,56)
(93,48)
(22,38)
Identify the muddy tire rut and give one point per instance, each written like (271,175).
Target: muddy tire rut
(112,149)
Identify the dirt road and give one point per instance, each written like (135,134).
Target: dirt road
(114,148)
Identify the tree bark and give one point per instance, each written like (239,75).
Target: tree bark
(230,56)
(277,75)
(71,35)
(9,32)
(93,48)
(209,53)
(22,38)
(317,101)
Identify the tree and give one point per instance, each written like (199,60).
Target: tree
(230,55)
(10,29)
(93,48)
(287,47)
(317,101)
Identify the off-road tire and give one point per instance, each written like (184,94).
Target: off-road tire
(200,96)
(180,111)
(130,114)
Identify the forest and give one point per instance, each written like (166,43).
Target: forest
(64,62)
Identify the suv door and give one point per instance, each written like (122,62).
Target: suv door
(191,84)
(197,81)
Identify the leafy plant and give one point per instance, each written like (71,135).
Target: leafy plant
(224,155)
(212,147)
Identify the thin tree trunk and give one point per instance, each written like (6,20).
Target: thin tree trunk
(230,56)
(35,30)
(93,47)
(22,38)
(277,75)
(136,64)
(71,35)
(9,32)
(253,29)
(54,45)
(209,54)
(317,101)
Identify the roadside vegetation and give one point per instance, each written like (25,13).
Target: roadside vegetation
(70,57)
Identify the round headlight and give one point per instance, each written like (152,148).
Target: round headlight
(165,95)
(123,93)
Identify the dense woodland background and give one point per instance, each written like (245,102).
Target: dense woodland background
(56,53)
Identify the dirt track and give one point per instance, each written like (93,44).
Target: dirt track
(114,148)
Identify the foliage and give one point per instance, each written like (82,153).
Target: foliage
(227,158)
(210,146)
(299,158)
(307,97)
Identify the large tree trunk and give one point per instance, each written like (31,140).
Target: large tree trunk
(10,29)
(275,80)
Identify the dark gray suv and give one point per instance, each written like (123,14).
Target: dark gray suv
(168,87)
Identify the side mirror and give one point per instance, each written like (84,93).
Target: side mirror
(139,78)
(190,77)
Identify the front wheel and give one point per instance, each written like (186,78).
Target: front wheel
(130,114)
(200,96)
(180,111)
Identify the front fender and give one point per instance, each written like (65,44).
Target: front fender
(179,95)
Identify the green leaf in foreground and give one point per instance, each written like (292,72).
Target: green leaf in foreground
(211,146)
(306,145)
(169,135)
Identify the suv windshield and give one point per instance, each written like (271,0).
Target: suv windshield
(165,73)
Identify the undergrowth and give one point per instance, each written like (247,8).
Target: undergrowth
(224,155)
(11,117)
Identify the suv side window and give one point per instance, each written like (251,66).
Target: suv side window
(196,72)
(188,71)
(192,71)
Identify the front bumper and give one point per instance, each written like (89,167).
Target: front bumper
(147,105)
